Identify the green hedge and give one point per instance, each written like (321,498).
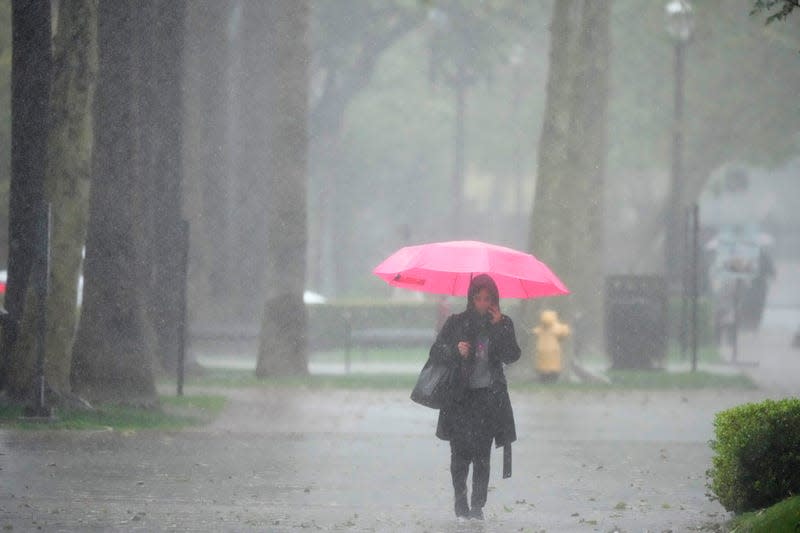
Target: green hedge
(757,454)
(328,323)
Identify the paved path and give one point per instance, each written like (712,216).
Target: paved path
(767,354)
(285,460)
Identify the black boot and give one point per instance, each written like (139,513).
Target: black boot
(459,468)
(476,513)
(461,507)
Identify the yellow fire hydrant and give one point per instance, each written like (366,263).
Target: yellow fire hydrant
(549,334)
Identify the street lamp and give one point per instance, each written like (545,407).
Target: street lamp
(680,20)
(516,58)
(679,25)
(446,46)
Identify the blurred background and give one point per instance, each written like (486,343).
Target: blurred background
(444,119)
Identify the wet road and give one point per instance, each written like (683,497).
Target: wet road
(284,460)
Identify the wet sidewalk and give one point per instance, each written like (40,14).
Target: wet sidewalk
(334,460)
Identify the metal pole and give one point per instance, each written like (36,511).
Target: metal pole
(735,332)
(183,321)
(694,281)
(686,282)
(458,150)
(517,153)
(348,341)
(673,249)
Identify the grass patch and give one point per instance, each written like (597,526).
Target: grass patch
(230,378)
(175,413)
(648,380)
(620,379)
(209,403)
(659,379)
(783,517)
(705,355)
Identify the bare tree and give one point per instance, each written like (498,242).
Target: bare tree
(344,64)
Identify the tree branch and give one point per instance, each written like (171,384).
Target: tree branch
(341,85)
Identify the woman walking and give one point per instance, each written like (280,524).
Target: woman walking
(478,341)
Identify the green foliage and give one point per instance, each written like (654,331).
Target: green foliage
(782,8)
(739,91)
(469,40)
(783,517)
(395,158)
(757,454)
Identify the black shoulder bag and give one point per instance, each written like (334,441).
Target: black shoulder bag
(438,385)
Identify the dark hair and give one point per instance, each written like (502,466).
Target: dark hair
(478,283)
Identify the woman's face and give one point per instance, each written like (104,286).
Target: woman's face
(482,301)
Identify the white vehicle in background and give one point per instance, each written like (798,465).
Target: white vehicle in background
(4,280)
(311,297)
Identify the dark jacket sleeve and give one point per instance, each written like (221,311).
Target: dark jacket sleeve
(503,341)
(444,349)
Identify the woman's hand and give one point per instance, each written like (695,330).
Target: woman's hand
(463,349)
(494,312)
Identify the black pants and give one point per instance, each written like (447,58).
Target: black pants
(472,444)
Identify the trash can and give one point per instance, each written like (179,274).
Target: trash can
(636,321)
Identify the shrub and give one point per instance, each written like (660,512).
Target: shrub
(757,454)
(783,517)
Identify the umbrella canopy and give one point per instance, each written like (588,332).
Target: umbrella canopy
(448,268)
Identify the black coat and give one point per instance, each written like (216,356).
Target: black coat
(503,349)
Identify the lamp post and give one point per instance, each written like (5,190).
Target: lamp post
(516,58)
(450,64)
(679,25)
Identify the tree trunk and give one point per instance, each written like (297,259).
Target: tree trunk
(30,89)
(282,346)
(567,217)
(68,172)
(113,352)
(255,119)
(162,125)
(588,153)
(550,220)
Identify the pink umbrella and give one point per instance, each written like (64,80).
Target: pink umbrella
(448,268)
